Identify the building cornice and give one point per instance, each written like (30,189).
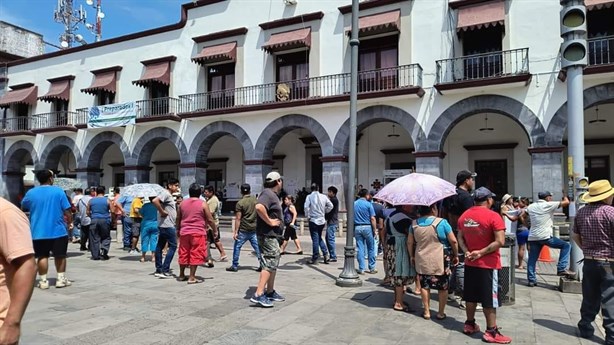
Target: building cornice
(292,20)
(365,5)
(179,25)
(220,35)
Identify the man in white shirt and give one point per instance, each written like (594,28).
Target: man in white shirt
(317,205)
(540,234)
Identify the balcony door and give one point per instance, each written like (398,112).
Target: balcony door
(600,32)
(292,76)
(158,103)
(22,111)
(105,97)
(221,85)
(60,109)
(378,59)
(484,46)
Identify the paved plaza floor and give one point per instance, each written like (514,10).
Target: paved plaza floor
(120,302)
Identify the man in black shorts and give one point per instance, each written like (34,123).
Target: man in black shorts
(50,215)
(269,229)
(481,232)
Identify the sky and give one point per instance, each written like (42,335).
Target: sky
(121,17)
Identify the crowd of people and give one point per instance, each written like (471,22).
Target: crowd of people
(431,246)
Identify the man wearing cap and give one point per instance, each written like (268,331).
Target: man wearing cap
(269,227)
(317,206)
(481,232)
(594,233)
(245,226)
(540,234)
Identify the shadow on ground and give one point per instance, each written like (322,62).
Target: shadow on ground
(563,328)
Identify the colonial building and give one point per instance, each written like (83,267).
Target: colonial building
(238,88)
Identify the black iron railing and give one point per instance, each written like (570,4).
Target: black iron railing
(481,66)
(53,120)
(384,79)
(16,124)
(81,116)
(601,51)
(147,108)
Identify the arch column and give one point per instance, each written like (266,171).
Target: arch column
(430,162)
(190,173)
(14,185)
(334,173)
(89,176)
(255,171)
(136,174)
(547,170)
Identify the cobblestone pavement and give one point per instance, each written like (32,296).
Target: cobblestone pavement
(120,302)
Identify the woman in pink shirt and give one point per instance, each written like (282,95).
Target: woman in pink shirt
(193,217)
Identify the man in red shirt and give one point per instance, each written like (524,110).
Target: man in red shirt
(481,232)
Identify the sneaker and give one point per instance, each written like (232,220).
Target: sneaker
(159,275)
(165,275)
(494,336)
(274,296)
(479,307)
(60,283)
(373,271)
(333,260)
(133,252)
(360,272)
(262,300)
(43,284)
(471,328)
(313,262)
(461,305)
(232,269)
(532,284)
(566,273)
(326,259)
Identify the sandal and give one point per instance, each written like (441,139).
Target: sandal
(224,258)
(197,281)
(405,309)
(142,260)
(426,317)
(441,316)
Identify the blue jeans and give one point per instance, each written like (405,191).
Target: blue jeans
(127,226)
(597,293)
(316,239)
(364,238)
(243,237)
(167,235)
(330,240)
(535,247)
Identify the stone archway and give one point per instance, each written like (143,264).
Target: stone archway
(271,135)
(137,166)
(50,157)
(595,95)
(141,154)
(95,149)
(199,150)
(377,113)
(15,154)
(483,104)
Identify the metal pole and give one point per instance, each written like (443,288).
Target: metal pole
(575,148)
(349,277)
(98,21)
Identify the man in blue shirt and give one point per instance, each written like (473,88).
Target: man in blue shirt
(123,205)
(50,216)
(364,231)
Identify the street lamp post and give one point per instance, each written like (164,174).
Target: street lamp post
(349,277)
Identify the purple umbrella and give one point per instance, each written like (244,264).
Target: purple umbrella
(416,189)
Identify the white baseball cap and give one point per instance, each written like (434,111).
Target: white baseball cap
(273,176)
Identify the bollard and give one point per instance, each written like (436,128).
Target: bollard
(557,231)
(302,227)
(341,227)
(232,224)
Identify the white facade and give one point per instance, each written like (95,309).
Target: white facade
(427,33)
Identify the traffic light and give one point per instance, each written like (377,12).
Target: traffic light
(573,31)
(581,187)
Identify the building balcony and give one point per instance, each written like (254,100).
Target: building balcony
(158,109)
(57,121)
(600,55)
(504,67)
(401,80)
(18,126)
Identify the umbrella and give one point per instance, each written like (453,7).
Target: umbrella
(416,189)
(67,183)
(142,190)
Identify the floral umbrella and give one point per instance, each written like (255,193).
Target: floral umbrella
(67,183)
(142,190)
(416,189)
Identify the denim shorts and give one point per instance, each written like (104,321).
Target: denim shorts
(269,252)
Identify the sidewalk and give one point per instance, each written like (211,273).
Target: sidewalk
(120,302)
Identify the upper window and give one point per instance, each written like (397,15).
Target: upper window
(378,59)
(105,97)
(221,84)
(292,74)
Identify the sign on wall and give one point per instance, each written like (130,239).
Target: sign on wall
(113,115)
